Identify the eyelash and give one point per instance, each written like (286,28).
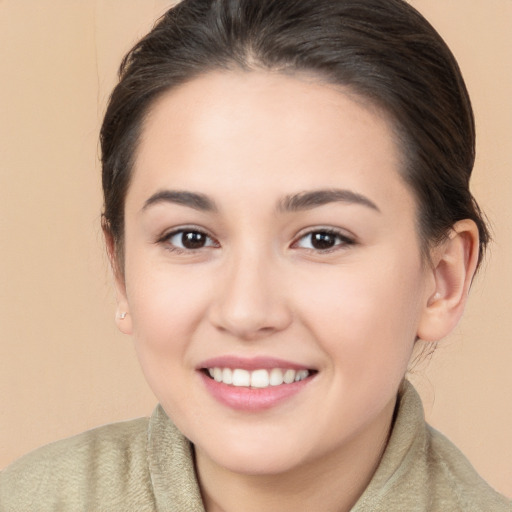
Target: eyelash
(343,240)
(165,239)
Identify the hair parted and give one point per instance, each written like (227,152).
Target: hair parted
(383,50)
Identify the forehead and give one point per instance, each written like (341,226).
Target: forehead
(262,131)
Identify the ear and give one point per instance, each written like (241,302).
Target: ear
(454,263)
(123,317)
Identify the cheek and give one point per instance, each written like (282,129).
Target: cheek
(166,308)
(365,316)
(166,305)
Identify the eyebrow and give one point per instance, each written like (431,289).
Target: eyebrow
(292,203)
(193,200)
(307,200)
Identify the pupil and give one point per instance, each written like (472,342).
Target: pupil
(193,240)
(323,240)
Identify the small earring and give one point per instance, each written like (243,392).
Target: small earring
(122,316)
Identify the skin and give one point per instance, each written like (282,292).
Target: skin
(258,287)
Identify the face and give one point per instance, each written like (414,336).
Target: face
(273,274)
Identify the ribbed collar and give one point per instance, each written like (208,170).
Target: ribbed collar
(403,468)
(171,466)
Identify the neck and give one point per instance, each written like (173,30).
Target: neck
(331,483)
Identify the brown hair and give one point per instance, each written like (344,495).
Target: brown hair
(384,50)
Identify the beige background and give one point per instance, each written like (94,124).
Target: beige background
(63,366)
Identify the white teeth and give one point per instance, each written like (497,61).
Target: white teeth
(257,378)
(260,379)
(227,376)
(217,374)
(276,377)
(301,375)
(241,378)
(289,376)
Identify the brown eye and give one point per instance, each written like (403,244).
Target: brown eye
(323,240)
(189,240)
(193,240)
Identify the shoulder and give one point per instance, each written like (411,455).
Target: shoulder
(106,466)
(422,471)
(454,478)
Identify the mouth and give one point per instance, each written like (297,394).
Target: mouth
(260,378)
(254,384)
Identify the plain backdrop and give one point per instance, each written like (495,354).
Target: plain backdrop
(63,366)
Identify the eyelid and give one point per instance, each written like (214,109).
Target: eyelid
(346,239)
(164,238)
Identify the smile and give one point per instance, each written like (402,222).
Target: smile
(255,384)
(261,378)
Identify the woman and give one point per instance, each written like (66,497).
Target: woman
(287,213)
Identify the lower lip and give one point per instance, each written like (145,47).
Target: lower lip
(252,399)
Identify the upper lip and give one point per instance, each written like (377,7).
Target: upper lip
(250,363)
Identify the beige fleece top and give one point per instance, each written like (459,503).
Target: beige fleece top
(147,465)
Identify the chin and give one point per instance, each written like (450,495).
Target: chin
(255,455)
(257,463)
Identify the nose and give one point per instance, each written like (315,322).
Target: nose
(251,301)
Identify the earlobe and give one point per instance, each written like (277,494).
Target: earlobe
(454,265)
(123,319)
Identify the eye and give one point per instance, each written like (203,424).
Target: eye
(323,240)
(189,240)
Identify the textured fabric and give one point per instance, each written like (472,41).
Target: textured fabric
(147,465)
(422,471)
